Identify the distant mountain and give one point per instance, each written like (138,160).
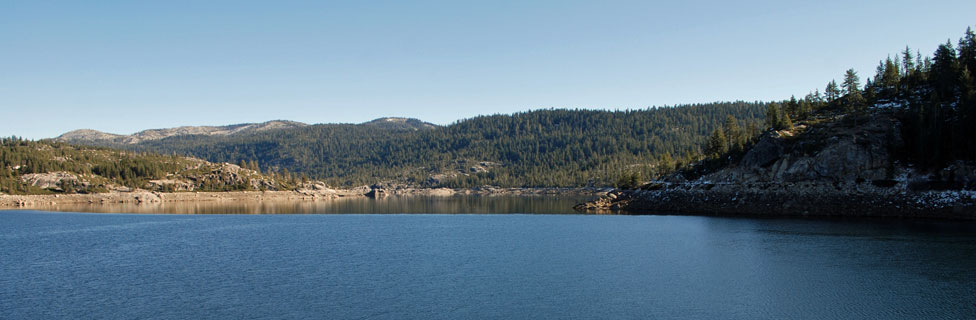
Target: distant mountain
(94,137)
(400,124)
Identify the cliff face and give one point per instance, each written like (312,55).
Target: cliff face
(834,168)
(832,154)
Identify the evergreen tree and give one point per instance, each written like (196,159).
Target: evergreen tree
(853,101)
(967,50)
(832,91)
(666,165)
(816,98)
(773,117)
(944,72)
(890,76)
(806,107)
(718,144)
(734,135)
(908,62)
(785,122)
(752,131)
(792,106)
(870,90)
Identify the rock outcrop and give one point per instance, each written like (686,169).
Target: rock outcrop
(827,169)
(52,180)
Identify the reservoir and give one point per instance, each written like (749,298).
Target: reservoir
(475,257)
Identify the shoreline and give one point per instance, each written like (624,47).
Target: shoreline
(143,197)
(946,205)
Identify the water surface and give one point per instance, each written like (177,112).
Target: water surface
(395,266)
(395,204)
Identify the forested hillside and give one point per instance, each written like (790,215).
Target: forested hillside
(39,167)
(933,99)
(901,145)
(930,100)
(529,149)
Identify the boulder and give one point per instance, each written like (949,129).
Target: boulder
(769,149)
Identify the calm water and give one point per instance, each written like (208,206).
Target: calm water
(89,265)
(413,204)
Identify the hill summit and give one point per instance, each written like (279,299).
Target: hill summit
(397,123)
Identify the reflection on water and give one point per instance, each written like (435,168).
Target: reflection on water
(424,266)
(412,204)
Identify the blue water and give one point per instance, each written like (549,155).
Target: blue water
(84,265)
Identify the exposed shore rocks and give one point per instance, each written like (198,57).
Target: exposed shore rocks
(146,197)
(702,201)
(310,192)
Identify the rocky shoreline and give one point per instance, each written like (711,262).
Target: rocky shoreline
(140,197)
(959,205)
(831,168)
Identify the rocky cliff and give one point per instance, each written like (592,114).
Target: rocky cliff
(831,168)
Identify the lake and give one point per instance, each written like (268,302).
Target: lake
(528,262)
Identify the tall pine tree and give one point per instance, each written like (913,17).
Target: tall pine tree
(853,101)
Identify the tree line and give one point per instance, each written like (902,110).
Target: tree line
(553,147)
(934,97)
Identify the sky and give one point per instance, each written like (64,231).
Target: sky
(126,66)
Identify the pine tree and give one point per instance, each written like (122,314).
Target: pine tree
(785,122)
(879,73)
(853,100)
(792,106)
(734,134)
(919,62)
(908,62)
(752,131)
(832,91)
(773,116)
(666,165)
(967,50)
(944,72)
(891,76)
(806,107)
(718,144)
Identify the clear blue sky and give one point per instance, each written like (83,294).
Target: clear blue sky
(125,66)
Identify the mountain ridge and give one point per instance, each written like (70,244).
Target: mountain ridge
(90,136)
(100,138)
